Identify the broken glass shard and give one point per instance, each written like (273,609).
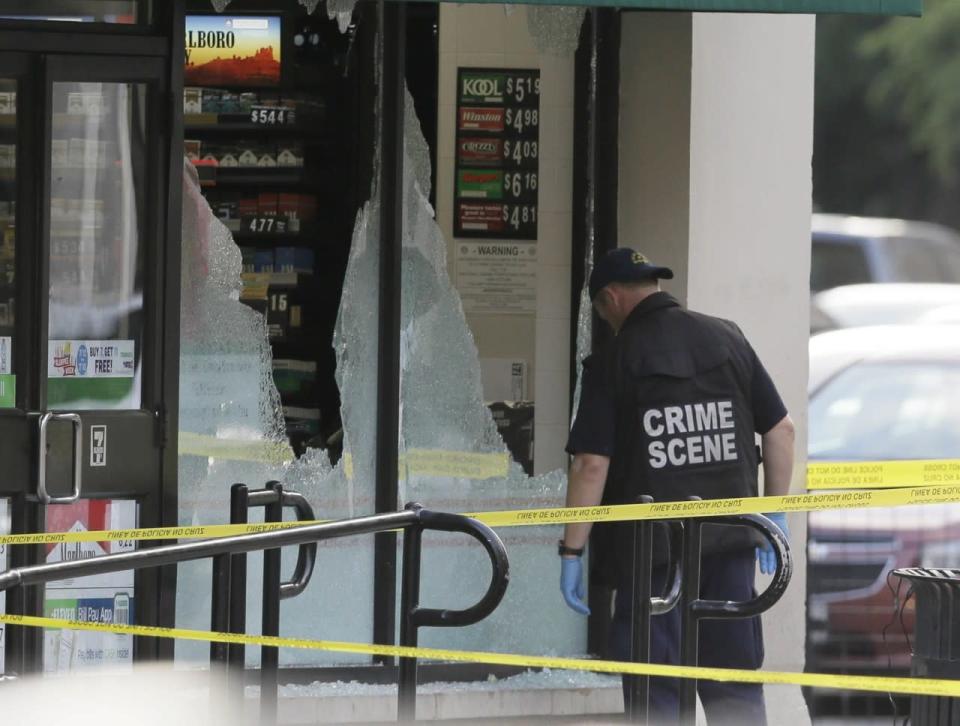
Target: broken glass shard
(555,29)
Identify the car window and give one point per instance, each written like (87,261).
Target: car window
(950,256)
(915,260)
(876,411)
(837,262)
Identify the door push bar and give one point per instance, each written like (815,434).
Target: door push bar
(42,494)
(684,563)
(413,521)
(229,603)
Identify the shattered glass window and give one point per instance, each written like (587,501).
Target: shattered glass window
(232,430)
(453,458)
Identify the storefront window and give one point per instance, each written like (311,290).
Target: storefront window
(232,429)
(8,215)
(96,256)
(458,405)
(4,565)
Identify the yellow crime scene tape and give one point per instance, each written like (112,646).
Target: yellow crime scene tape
(858,499)
(882,474)
(932,482)
(882,684)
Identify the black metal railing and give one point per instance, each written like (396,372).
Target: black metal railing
(229,608)
(413,521)
(684,592)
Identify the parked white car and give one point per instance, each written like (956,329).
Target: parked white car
(853,306)
(852,250)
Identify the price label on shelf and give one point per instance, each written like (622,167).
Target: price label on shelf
(272,115)
(264,225)
(498,153)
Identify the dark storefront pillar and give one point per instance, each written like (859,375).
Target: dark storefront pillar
(390,101)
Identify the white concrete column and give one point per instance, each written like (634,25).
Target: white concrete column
(751,145)
(716,144)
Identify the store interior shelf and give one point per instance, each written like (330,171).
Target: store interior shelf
(199,123)
(251,176)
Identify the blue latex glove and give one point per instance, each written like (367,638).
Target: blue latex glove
(765,554)
(571,584)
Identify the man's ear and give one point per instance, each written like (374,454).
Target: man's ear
(609,297)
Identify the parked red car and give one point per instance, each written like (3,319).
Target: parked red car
(878,393)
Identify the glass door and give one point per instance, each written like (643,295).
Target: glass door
(17,223)
(93,418)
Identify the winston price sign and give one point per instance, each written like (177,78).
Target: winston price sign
(498,153)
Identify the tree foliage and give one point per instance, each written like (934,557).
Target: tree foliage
(918,80)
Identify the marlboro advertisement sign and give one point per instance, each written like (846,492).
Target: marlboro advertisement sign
(232,50)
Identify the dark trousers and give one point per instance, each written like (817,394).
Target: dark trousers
(723,644)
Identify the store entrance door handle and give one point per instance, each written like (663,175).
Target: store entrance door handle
(42,494)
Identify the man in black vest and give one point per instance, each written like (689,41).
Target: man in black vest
(671,408)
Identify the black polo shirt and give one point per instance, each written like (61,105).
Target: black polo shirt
(594,428)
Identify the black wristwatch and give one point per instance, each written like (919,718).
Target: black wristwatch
(562,550)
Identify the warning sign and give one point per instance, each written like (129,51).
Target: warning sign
(497,278)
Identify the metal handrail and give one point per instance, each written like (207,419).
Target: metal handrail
(229,601)
(684,589)
(413,520)
(644,605)
(172,554)
(413,617)
(694,609)
(720,609)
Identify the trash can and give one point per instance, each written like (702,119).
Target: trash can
(936,640)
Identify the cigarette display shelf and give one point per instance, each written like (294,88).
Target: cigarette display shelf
(313,124)
(240,123)
(252,176)
(310,234)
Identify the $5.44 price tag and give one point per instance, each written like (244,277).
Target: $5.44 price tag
(272,115)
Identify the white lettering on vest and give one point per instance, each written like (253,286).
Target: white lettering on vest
(706,416)
(648,424)
(675,458)
(730,447)
(695,449)
(658,458)
(726,414)
(693,434)
(674,416)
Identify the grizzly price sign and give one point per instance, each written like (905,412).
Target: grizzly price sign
(472,151)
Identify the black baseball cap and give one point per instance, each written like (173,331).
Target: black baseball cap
(624,265)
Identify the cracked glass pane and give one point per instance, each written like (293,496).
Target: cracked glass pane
(341,11)
(232,430)
(555,29)
(453,458)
